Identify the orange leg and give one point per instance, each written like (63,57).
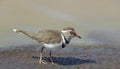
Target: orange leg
(41,52)
(51,58)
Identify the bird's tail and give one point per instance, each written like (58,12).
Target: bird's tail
(29,34)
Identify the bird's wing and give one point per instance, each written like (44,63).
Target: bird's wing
(48,36)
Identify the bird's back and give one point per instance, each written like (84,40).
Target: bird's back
(48,36)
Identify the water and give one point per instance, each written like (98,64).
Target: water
(95,21)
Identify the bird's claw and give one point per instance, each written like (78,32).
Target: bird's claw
(42,62)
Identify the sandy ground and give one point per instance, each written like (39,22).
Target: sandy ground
(71,57)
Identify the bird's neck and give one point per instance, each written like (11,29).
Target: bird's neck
(66,39)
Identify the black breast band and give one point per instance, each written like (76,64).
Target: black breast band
(66,41)
(63,45)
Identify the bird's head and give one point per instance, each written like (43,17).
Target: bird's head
(69,33)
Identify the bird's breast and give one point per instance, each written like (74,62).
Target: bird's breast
(56,46)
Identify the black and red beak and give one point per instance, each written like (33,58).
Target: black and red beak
(76,35)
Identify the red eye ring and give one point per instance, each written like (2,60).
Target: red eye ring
(72,33)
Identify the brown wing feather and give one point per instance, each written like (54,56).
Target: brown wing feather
(48,36)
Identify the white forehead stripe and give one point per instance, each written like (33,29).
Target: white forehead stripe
(64,31)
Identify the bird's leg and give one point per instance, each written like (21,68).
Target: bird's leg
(41,52)
(51,58)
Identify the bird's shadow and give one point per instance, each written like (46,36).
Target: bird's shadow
(67,60)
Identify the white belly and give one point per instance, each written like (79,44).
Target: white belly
(53,46)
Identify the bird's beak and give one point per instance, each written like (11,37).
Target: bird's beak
(76,35)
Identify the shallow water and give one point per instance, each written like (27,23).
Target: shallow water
(96,21)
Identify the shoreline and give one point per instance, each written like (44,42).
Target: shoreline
(27,57)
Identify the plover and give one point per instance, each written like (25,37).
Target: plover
(51,39)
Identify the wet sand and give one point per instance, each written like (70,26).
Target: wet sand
(75,57)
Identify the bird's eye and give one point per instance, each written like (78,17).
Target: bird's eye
(72,33)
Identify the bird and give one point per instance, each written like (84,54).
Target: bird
(51,39)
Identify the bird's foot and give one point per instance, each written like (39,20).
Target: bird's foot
(42,62)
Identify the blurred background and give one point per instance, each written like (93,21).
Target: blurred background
(97,21)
